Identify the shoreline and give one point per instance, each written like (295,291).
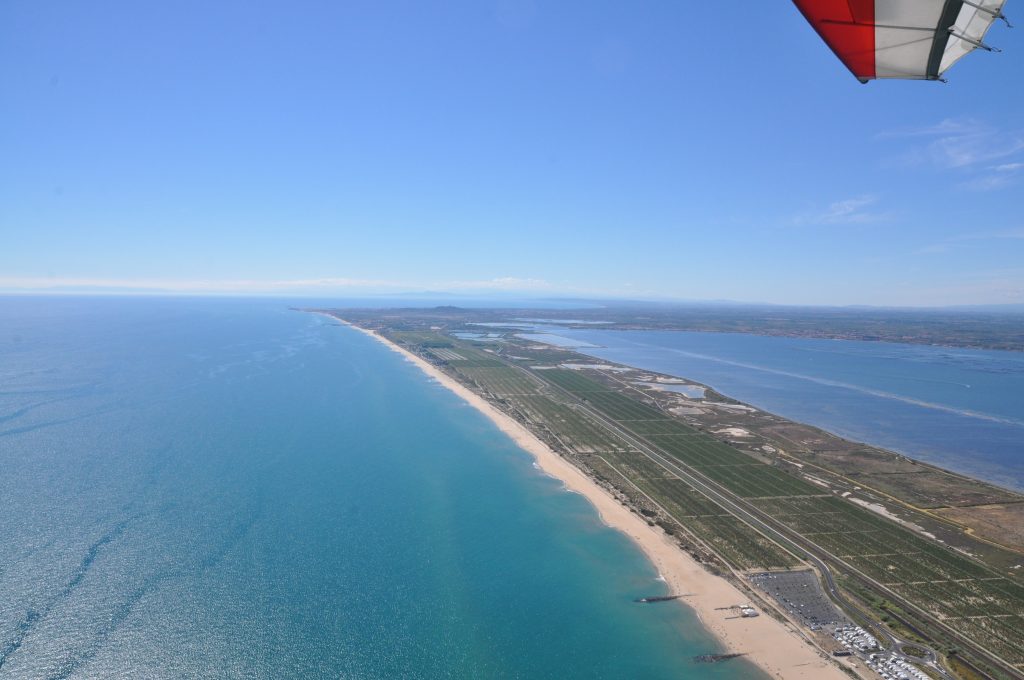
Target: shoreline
(990,474)
(776,648)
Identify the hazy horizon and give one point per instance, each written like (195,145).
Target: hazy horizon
(509,299)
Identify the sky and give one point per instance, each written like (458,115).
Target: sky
(653,149)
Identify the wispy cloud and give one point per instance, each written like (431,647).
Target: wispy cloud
(58,283)
(323,285)
(996,177)
(1012,234)
(981,155)
(983,145)
(934,249)
(948,126)
(856,210)
(501,283)
(990,182)
(954,242)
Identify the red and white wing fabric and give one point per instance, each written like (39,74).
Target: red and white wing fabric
(916,39)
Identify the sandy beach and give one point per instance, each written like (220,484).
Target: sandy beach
(775,647)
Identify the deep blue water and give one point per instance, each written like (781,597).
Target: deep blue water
(212,488)
(959,408)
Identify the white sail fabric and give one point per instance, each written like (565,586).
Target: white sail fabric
(904,34)
(972,23)
(918,39)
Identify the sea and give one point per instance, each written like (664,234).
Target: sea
(961,409)
(229,488)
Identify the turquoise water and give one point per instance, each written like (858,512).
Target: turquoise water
(210,488)
(962,409)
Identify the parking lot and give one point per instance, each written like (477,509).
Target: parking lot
(800,594)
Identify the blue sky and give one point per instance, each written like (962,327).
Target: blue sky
(651,149)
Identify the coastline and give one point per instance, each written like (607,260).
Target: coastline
(946,462)
(776,648)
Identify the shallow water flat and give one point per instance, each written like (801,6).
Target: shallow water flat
(958,408)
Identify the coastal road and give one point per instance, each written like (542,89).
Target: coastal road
(783,535)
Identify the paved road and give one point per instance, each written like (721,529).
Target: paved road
(795,543)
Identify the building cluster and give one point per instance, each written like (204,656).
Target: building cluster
(894,668)
(855,638)
(801,595)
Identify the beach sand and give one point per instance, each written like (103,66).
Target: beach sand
(775,647)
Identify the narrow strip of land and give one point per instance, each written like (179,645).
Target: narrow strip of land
(746,494)
(776,647)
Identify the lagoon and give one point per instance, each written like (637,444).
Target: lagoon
(961,409)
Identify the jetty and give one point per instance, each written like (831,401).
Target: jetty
(659,598)
(715,658)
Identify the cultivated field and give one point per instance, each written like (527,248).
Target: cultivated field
(715,496)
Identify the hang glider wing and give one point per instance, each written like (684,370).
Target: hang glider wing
(917,39)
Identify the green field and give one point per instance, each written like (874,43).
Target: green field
(953,587)
(740,545)
(500,380)
(957,589)
(578,432)
(608,428)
